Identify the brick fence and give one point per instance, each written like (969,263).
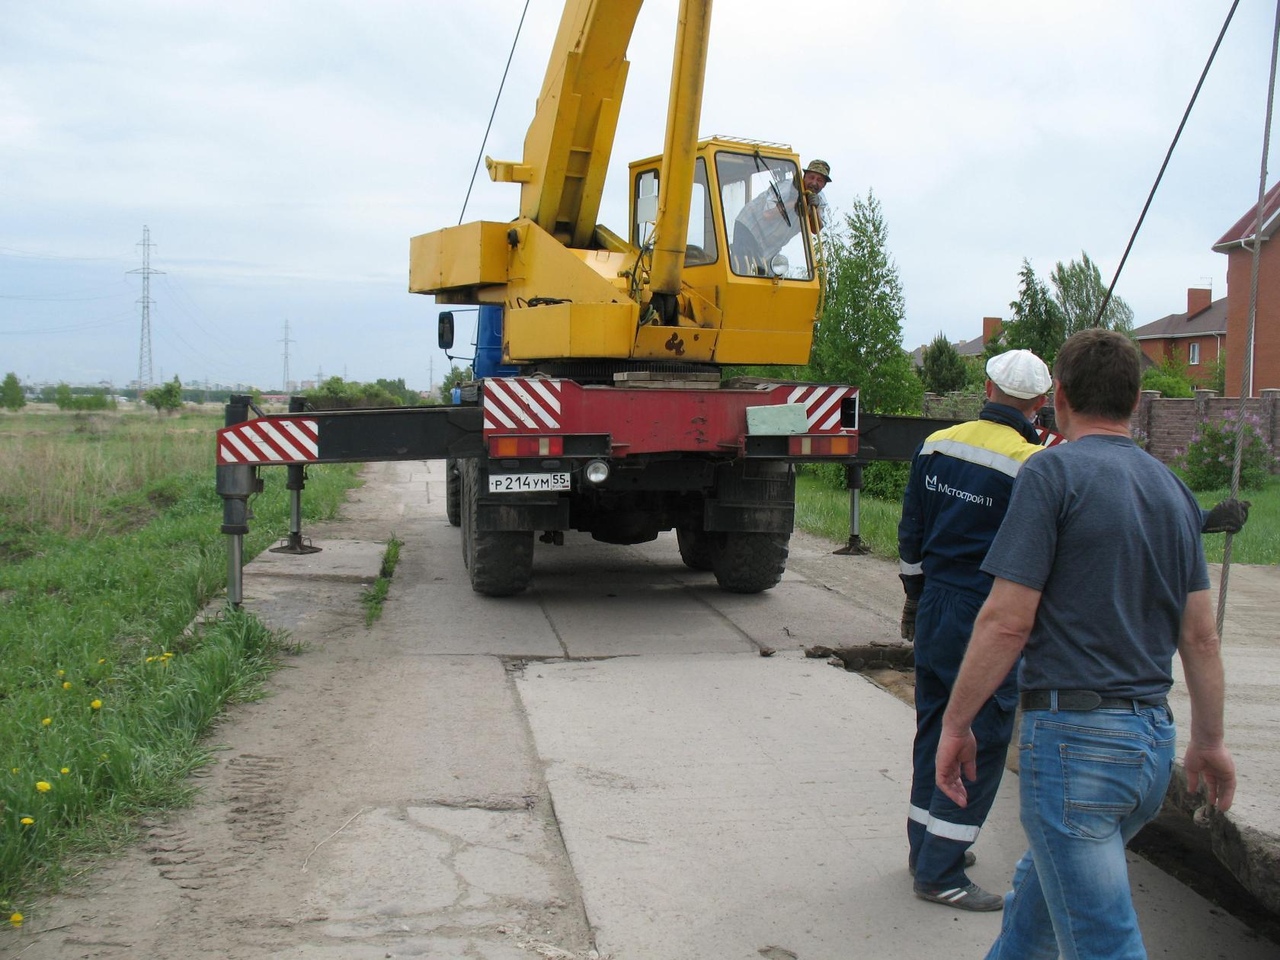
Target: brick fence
(1170,423)
(1167,423)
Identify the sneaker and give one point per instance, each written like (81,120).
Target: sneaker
(970,858)
(970,897)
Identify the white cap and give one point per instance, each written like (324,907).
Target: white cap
(1019,373)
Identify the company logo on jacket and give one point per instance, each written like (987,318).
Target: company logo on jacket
(933,486)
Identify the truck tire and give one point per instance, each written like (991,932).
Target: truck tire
(750,562)
(500,562)
(697,548)
(452,492)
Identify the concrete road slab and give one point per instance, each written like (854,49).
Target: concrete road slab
(695,816)
(357,560)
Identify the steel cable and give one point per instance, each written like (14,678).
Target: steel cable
(1097,321)
(494,111)
(1246,373)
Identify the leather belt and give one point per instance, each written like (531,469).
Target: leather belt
(1082,700)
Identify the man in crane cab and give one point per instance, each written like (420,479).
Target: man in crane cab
(774,215)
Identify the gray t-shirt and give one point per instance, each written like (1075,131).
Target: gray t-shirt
(1111,538)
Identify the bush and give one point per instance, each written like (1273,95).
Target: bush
(1168,386)
(1207,462)
(881,479)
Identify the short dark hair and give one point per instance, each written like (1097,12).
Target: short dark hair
(1100,373)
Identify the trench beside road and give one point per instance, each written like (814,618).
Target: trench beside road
(605,766)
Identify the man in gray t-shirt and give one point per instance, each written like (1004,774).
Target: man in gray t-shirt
(1099,578)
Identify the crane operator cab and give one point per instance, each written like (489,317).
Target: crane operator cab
(749,247)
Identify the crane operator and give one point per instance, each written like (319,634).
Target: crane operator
(773,217)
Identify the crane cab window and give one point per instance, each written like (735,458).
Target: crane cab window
(764,217)
(700,243)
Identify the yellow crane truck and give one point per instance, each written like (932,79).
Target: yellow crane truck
(609,413)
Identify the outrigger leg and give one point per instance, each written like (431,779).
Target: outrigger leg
(236,483)
(295,482)
(855,546)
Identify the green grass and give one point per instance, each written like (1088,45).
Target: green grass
(822,511)
(376,595)
(107,683)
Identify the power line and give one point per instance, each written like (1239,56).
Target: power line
(144,347)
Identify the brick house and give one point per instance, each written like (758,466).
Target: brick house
(1236,244)
(1195,338)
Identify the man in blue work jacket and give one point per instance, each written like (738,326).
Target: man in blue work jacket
(961,479)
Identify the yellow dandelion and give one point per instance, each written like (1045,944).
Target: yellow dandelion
(27,821)
(64,771)
(13,769)
(101,661)
(44,786)
(66,684)
(150,659)
(46,721)
(15,919)
(62,673)
(103,758)
(95,704)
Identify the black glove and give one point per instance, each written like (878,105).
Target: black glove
(1229,516)
(908,625)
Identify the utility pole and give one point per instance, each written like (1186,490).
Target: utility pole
(286,341)
(144,348)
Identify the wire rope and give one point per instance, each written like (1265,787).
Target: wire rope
(1246,372)
(1097,321)
(494,111)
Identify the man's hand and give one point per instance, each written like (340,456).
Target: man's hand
(1216,769)
(1229,516)
(908,625)
(957,761)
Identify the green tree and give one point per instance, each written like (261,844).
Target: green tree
(338,394)
(941,367)
(1079,292)
(397,389)
(11,395)
(166,398)
(456,374)
(62,396)
(859,338)
(975,374)
(1037,323)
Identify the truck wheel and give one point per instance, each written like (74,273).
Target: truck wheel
(452,492)
(500,561)
(697,548)
(750,562)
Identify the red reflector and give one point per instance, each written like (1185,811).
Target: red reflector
(526,446)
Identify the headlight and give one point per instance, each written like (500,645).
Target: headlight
(779,265)
(597,471)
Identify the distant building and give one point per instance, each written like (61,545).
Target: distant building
(1196,338)
(1237,244)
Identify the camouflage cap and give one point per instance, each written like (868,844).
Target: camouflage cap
(820,167)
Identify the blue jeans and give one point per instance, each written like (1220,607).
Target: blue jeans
(1089,781)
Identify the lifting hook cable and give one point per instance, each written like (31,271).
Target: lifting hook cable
(501,84)
(1097,321)
(1246,375)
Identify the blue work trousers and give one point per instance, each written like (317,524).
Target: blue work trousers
(1089,781)
(938,831)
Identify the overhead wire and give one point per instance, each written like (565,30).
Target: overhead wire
(1097,321)
(493,112)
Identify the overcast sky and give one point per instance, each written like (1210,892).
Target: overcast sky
(283,152)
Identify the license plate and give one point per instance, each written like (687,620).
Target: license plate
(528,482)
